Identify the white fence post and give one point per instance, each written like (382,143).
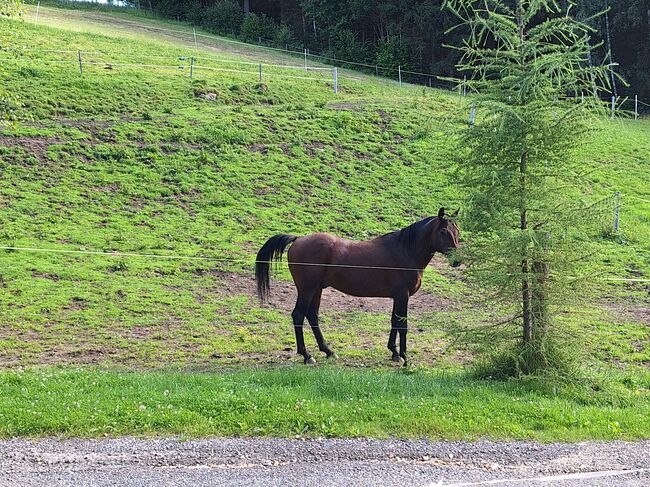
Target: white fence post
(636,107)
(305,59)
(613,105)
(472,115)
(195,43)
(617,211)
(464,85)
(399,74)
(191,66)
(38,7)
(81,68)
(260,72)
(335,73)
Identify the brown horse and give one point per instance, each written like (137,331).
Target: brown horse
(389,266)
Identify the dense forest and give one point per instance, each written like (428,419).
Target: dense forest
(407,33)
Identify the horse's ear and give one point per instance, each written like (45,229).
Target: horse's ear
(455,213)
(441,213)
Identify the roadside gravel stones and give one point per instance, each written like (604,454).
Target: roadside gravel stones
(263,461)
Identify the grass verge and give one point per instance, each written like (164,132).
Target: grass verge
(323,402)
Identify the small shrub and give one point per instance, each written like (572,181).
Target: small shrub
(29,72)
(284,37)
(225,16)
(239,89)
(346,45)
(393,53)
(256,26)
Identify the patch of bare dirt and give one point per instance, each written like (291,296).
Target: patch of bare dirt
(629,311)
(108,188)
(36,145)
(312,148)
(259,148)
(283,296)
(46,275)
(345,105)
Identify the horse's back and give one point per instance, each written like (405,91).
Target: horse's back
(314,248)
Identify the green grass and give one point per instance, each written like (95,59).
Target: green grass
(137,160)
(326,402)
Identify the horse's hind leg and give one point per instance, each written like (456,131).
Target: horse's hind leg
(312,316)
(298,316)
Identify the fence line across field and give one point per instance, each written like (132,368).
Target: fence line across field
(616,102)
(240,261)
(461,86)
(191,67)
(179,56)
(192,35)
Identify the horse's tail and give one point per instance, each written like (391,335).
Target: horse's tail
(271,250)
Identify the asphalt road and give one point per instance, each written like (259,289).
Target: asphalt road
(269,462)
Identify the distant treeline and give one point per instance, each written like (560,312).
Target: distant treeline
(408,33)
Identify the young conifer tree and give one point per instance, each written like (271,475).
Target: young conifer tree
(535,96)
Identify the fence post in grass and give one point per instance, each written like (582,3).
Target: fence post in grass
(194,31)
(472,115)
(464,85)
(38,7)
(636,107)
(617,210)
(191,67)
(613,105)
(260,72)
(429,81)
(81,68)
(399,75)
(582,97)
(377,71)
(335,73)
(305,59)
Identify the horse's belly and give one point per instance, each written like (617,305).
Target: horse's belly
(368,284)
(363,293)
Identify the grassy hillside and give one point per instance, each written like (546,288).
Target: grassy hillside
(147,160)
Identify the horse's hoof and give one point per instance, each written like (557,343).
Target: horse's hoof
(310,361)
(397,358)
(333,356)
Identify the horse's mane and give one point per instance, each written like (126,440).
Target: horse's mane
(408,236)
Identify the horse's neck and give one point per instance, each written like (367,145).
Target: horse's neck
(423,252)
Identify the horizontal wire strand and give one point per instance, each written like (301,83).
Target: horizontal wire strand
(245,261)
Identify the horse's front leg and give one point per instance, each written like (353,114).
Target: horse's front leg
(398,324)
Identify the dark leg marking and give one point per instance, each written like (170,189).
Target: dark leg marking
(398,324)
(312,316)
(298,316)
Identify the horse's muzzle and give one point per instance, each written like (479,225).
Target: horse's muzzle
(454,260)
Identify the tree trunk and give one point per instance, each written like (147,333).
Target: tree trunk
(525,279)
(539,301)
(523,207)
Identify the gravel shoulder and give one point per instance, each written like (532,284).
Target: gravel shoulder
(230,461)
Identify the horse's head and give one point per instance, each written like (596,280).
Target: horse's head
(447,236)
